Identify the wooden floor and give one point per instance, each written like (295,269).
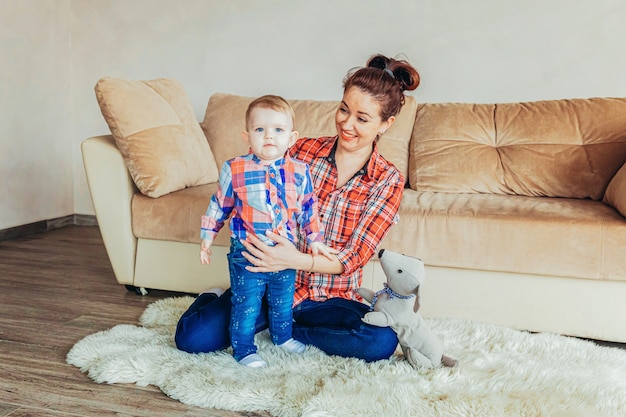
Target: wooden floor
(56,288)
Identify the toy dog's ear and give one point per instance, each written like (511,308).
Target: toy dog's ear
(416,306)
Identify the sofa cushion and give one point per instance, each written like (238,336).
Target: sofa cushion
(224,121)
(615,194)
(175,216)
(155,128)
(558,148)
(533,235)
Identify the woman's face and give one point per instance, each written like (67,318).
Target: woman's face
(358,120)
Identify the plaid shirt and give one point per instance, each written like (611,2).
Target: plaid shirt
(356,217)
(277,197)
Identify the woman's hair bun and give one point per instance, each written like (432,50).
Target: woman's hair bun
(378,61)
(401,70)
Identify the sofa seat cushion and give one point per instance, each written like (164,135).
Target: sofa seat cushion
(536,235)
(175,216)
(225,119)
(553,148)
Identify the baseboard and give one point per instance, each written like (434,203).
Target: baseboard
(46,225)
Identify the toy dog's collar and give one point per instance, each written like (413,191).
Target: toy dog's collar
(391,293)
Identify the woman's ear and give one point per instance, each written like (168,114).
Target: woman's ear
(387,124)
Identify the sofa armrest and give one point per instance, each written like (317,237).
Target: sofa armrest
(112,189)
(615,194)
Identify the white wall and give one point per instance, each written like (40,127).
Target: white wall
(36,146)
(473,51)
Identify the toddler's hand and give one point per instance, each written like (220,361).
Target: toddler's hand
(205,252)
(318,248)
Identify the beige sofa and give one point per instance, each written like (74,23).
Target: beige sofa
(517,209)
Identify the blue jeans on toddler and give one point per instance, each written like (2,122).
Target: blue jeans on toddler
(248,290)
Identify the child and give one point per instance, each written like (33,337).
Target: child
(264,190)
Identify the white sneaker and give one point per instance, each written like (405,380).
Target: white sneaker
(253,361)
(292,345)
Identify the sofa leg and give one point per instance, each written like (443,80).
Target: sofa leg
(137,290)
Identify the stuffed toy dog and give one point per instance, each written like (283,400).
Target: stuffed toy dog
(397,306)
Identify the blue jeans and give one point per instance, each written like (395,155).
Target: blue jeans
(334,326)
(248,289)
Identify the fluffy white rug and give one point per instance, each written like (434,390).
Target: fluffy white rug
(502,372)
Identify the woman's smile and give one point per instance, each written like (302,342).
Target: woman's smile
(347,136)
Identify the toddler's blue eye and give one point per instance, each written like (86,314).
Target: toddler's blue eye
(279,130)
(258,129)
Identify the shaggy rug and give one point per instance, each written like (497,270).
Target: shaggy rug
(502,372)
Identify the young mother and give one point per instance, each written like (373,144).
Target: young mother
(359,193)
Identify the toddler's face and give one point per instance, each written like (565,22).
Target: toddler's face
(270,133)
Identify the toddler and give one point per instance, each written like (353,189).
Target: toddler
(263,190)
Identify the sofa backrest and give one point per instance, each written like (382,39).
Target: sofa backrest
(557,148)
(224,120)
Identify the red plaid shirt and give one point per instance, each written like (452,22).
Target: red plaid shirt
(355,218)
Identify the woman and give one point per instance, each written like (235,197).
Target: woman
(359,194)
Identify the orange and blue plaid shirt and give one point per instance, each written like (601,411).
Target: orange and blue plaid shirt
(355,217)
(277,197)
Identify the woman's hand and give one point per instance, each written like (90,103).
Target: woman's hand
(265,258)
